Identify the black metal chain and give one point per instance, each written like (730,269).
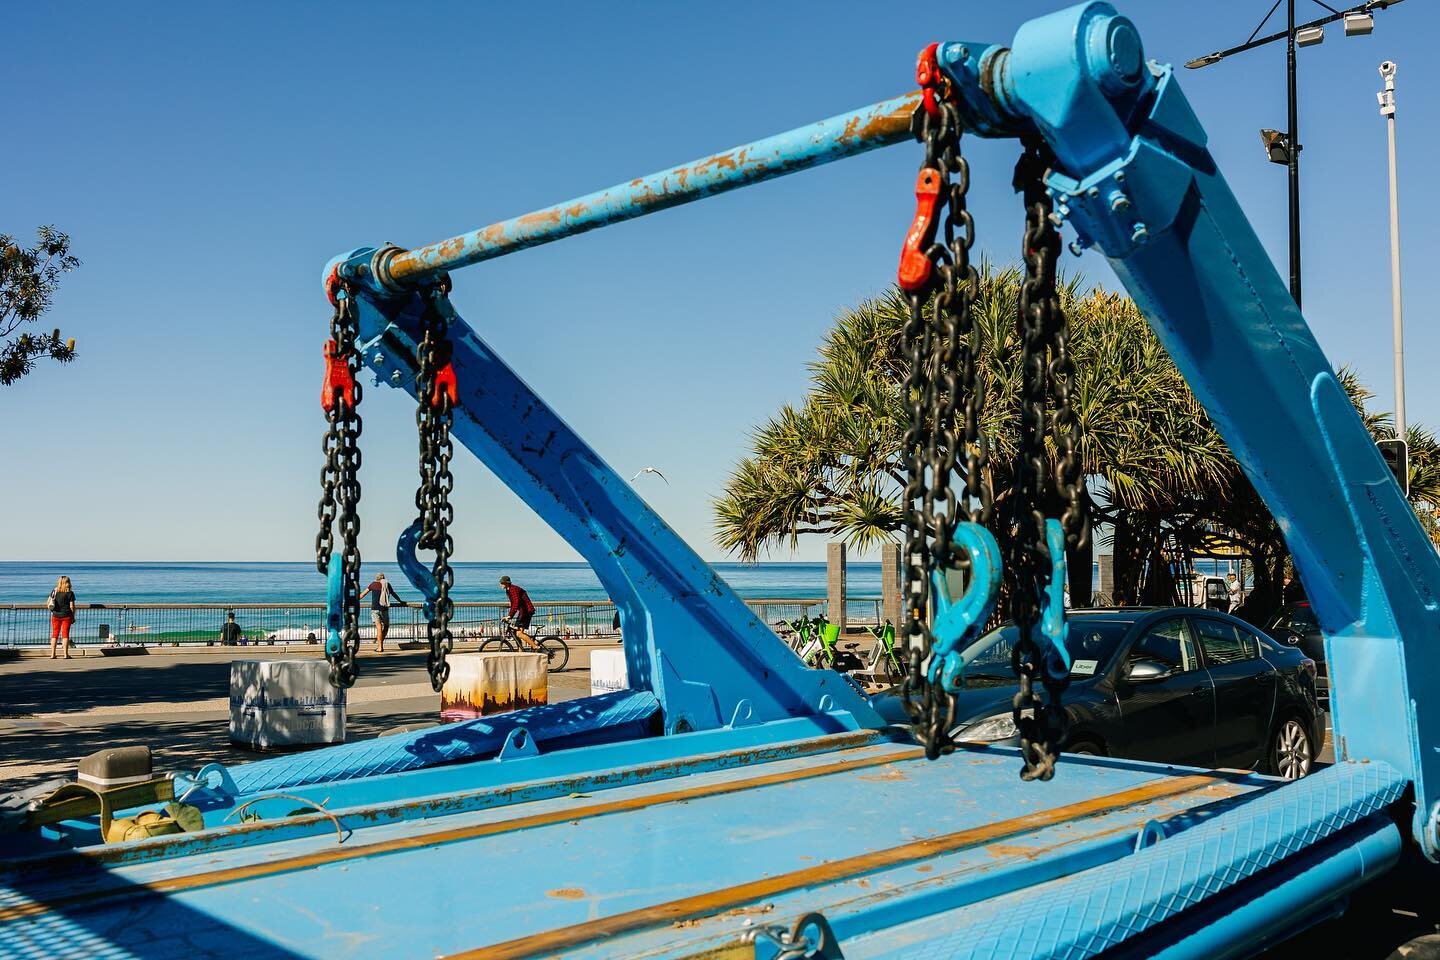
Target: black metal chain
(1047,371)
(433,417)
(941,348)
(340,486)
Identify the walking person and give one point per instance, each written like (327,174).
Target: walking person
(1233,589)
(521,610)
(381,593)
(62,615)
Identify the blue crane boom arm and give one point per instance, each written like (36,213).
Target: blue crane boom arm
(1135,179)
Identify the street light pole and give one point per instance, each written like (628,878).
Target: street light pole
(1387,110)
(1359,21)
(1294,134)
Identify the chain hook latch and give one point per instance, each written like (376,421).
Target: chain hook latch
(916,267)
(334,607)
(420,576)
(934,85)
(1054,630)
(958,623)
(339,380)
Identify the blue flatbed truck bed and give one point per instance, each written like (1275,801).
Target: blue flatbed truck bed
(735,803)
(683,857)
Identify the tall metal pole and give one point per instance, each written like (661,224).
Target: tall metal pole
(1294,135)
(1387,110)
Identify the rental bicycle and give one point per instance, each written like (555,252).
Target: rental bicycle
(556,650)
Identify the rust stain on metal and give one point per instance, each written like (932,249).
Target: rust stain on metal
(708,904)
(567,893)
(434,838)
(882,776)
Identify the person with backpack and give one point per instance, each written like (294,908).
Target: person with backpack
(62,615)
(381,593)
(522,609)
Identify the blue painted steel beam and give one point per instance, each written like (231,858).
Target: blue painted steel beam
(1136,180)
(688,636)
(819,143)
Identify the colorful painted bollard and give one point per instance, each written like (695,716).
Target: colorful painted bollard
(608,672)
(482,684)
(284,703)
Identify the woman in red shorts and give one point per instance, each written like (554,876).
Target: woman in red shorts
(62,615)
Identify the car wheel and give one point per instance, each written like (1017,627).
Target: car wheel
(1085,748)
(1291,752)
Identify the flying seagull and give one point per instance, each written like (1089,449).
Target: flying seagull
(649,470)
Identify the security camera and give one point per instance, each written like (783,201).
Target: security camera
(1387,69)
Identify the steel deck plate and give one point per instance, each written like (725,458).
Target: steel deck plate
(653,868)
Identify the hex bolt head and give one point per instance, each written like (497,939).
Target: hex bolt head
(1076,247)
(395,378)
(1140,235)
(1119,203)
(378,359)
(956,53)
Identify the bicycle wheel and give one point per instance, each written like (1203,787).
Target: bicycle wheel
(557,652)
(497,645)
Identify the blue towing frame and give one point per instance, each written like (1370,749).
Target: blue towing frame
(716,697)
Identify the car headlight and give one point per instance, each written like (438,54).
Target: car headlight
(999,727)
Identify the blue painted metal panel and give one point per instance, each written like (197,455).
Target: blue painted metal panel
(575,868)
(1082,915)
(448,743)
(1136,180)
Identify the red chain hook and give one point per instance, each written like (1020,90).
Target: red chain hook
(445,386)
(915,267)
(338,378)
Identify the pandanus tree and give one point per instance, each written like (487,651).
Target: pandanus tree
(1158,476)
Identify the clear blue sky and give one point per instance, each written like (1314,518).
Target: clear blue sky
(208,159)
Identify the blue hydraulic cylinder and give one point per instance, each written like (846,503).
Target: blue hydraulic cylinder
(818,143)
(688,636)
(1135,179)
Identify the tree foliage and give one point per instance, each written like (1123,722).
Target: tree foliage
(1160,482)
(29,277)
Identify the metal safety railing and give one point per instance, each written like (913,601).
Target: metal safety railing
(199,624)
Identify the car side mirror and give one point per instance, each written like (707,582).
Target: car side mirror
(1146,670)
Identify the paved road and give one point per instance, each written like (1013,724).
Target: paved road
(53,712)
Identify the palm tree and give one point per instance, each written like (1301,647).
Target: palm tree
(1156,470)
(834,464)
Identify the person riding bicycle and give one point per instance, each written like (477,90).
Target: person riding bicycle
(521,610)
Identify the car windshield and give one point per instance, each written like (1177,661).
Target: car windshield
(1092,645)
(1298,617)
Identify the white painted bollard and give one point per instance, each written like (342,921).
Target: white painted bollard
(481,684)
(607,671)
(284,703)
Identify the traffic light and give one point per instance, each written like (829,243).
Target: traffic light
(1397,458)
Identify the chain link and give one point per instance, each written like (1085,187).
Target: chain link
(433,417)
(1047,371)
(941,348)
(340,488)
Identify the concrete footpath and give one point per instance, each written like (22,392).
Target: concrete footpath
(53,712)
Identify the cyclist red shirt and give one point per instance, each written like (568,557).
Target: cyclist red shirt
(521,607)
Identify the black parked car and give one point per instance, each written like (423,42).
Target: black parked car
(1294,625)
(1175,685)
